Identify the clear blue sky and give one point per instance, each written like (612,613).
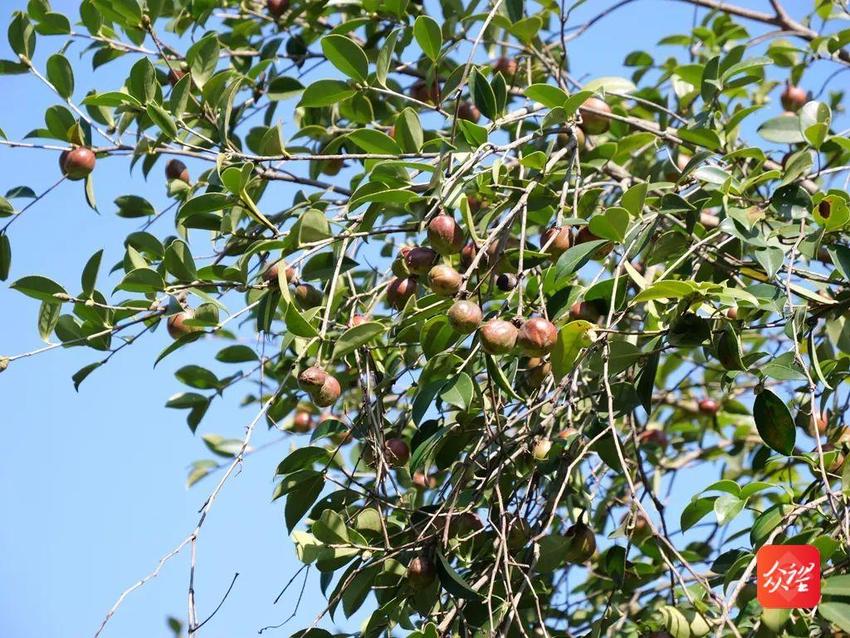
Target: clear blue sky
(92,485)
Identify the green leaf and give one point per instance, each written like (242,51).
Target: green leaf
(303,458)
(206,203)
(162,119)
(325,93)
(385,57)
(203,59)
(236,354)
(548,95)
(347,56)
(110,99)
(615,84)
(458,391)
(297,324)
(48,315)
(840,260)
(426,30)
(574,258)
(179,261)
(130,206)
(144,280)
(5,257)
(695,511)
(815,119)
(836,613)
(784,129)
(408,131)
(665,289)
(836,586)
(301,499)
(452,581)
(572,338)
(357,336)
(727,507)
(80,375)
(774,422)
(38,287)
(61,75)
(373,141)
(612,224)
(634,198)
(483,95)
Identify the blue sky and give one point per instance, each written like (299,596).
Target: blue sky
(92,485)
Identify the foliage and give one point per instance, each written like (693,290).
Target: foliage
(681,244)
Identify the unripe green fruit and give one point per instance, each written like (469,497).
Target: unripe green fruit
(541,449)
(421,573)
(77,163)
(445,235)
(592,123)
(581,543)
(537,337)
(775,619)
(498,336)
(464,316)
(444,280)
(400,290)
(420,260)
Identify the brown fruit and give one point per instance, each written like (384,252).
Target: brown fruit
(506,282)
(302,421)
(177,327)
(541,448)
(468,111)
(396,452)
(560,239)
(445,235)
(356,320)
(564,138)
(400,290)
(277,7)
(77,163)
(537,372)
(465,316)
(307,296)
(593,123)
(420,260)
(421,573)
(312,379)
(444,280)
(467,256)
(803,420)
(581,543)
(709,407)
(474,204)
(328,393)
(566,433)
(585,310)
(270,274)
(537,337)
(653,438)
(506,66)
(399,266)
(422,481)
(793,98)
(428,93)
(584,235)
(732,313)
(175,75)
(498,336)
(175,169)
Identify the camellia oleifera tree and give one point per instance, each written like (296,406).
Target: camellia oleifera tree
(512,309)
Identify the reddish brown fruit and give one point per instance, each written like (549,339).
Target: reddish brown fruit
(593,123)
(177,327)
(307,296)
(498,336)
(584,235)
(277,8)
(565,138)
(793,98)
(444,280)
(508,67)
(421,573)
(465,316)
(77,163)
(537,372)
(445,235)
(400,290)
(356,320)
(566,433)
(581,543)
(709,407)
(585,310)
(537,337)
(396,452)
(428,93)
(175,169)
(302,421)
(422,481)
(467,255)
(175,75)
(420,260)
(271,274)
(327,395)
(468,111)
(312,379)
(654,438)
(560,239)
(474,204)
(732,313)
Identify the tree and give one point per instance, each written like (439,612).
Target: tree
(510,308)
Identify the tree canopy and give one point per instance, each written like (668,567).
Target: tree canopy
(503,309)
